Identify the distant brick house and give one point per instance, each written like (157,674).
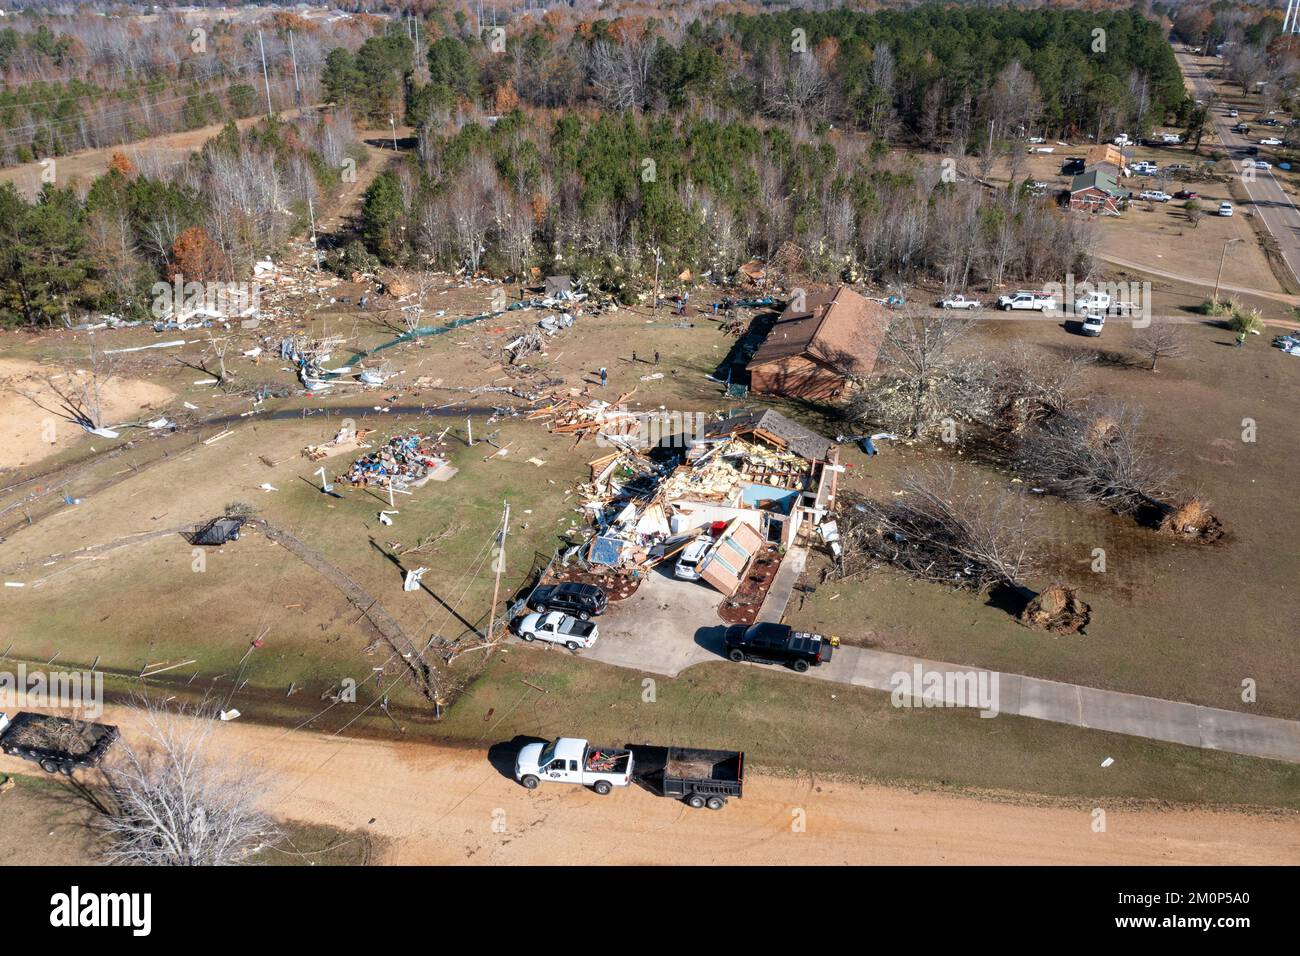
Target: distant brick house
(1097,191)
(813,353)
(1105,157)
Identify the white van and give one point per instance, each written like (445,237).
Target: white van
(688,564)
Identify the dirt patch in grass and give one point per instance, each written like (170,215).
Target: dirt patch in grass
(30,433)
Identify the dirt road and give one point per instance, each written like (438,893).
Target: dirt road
(440,806)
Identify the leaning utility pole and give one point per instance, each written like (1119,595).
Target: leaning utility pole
(500,566)
(266,77)
(297,88)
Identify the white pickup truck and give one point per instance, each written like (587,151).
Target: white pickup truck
(558,628)
(1039,301)
(574,760)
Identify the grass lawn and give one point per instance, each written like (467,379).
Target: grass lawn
(803,725)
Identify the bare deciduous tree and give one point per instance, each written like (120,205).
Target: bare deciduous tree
(922,382)
(1160,340)
(74,394)
(174,799)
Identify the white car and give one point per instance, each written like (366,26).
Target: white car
(960,302)
(1170,139)
(1225,209)
(688,565)
(1093,323)
(1271,141)
(1232,113)
(1258,164)
(1035,140)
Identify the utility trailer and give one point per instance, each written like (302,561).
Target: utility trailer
(58,744)
(703,778)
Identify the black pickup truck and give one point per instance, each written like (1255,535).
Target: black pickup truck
(583,601)
(776,644)
(703,778)
(58,744)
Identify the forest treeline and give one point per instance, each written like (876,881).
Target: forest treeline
(101,248)
(710,143)
(96,81)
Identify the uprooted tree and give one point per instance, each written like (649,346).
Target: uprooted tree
(941,530)
(174,798)
(1098,454)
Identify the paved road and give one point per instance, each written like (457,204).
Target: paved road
(673,641)
(1273,206)
(1203,281)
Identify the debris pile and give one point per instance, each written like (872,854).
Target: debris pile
(1057,609)
(569,415)
(345,439)
(405,461)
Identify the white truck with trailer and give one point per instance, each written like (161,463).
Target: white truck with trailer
(574,760)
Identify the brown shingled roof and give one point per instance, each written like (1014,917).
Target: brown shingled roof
(839,329)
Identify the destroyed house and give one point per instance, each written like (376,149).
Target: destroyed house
(748,481)
(812,352)
(1097,191)
(752,479)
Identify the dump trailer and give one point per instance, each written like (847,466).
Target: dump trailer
(703,778)
(58,744)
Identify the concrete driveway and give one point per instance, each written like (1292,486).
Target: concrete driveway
(664,628)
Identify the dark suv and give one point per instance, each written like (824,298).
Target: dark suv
(583,601)
(776,644)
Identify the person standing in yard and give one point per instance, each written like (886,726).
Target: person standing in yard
(604,376)
(656,356)
(1241,339)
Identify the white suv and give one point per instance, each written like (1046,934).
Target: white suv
(1225,209)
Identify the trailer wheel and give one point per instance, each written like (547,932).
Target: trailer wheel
(737,655)
(800,666)
(602,787)
(716,803)
(49,765)
(530,782)
(695,801)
